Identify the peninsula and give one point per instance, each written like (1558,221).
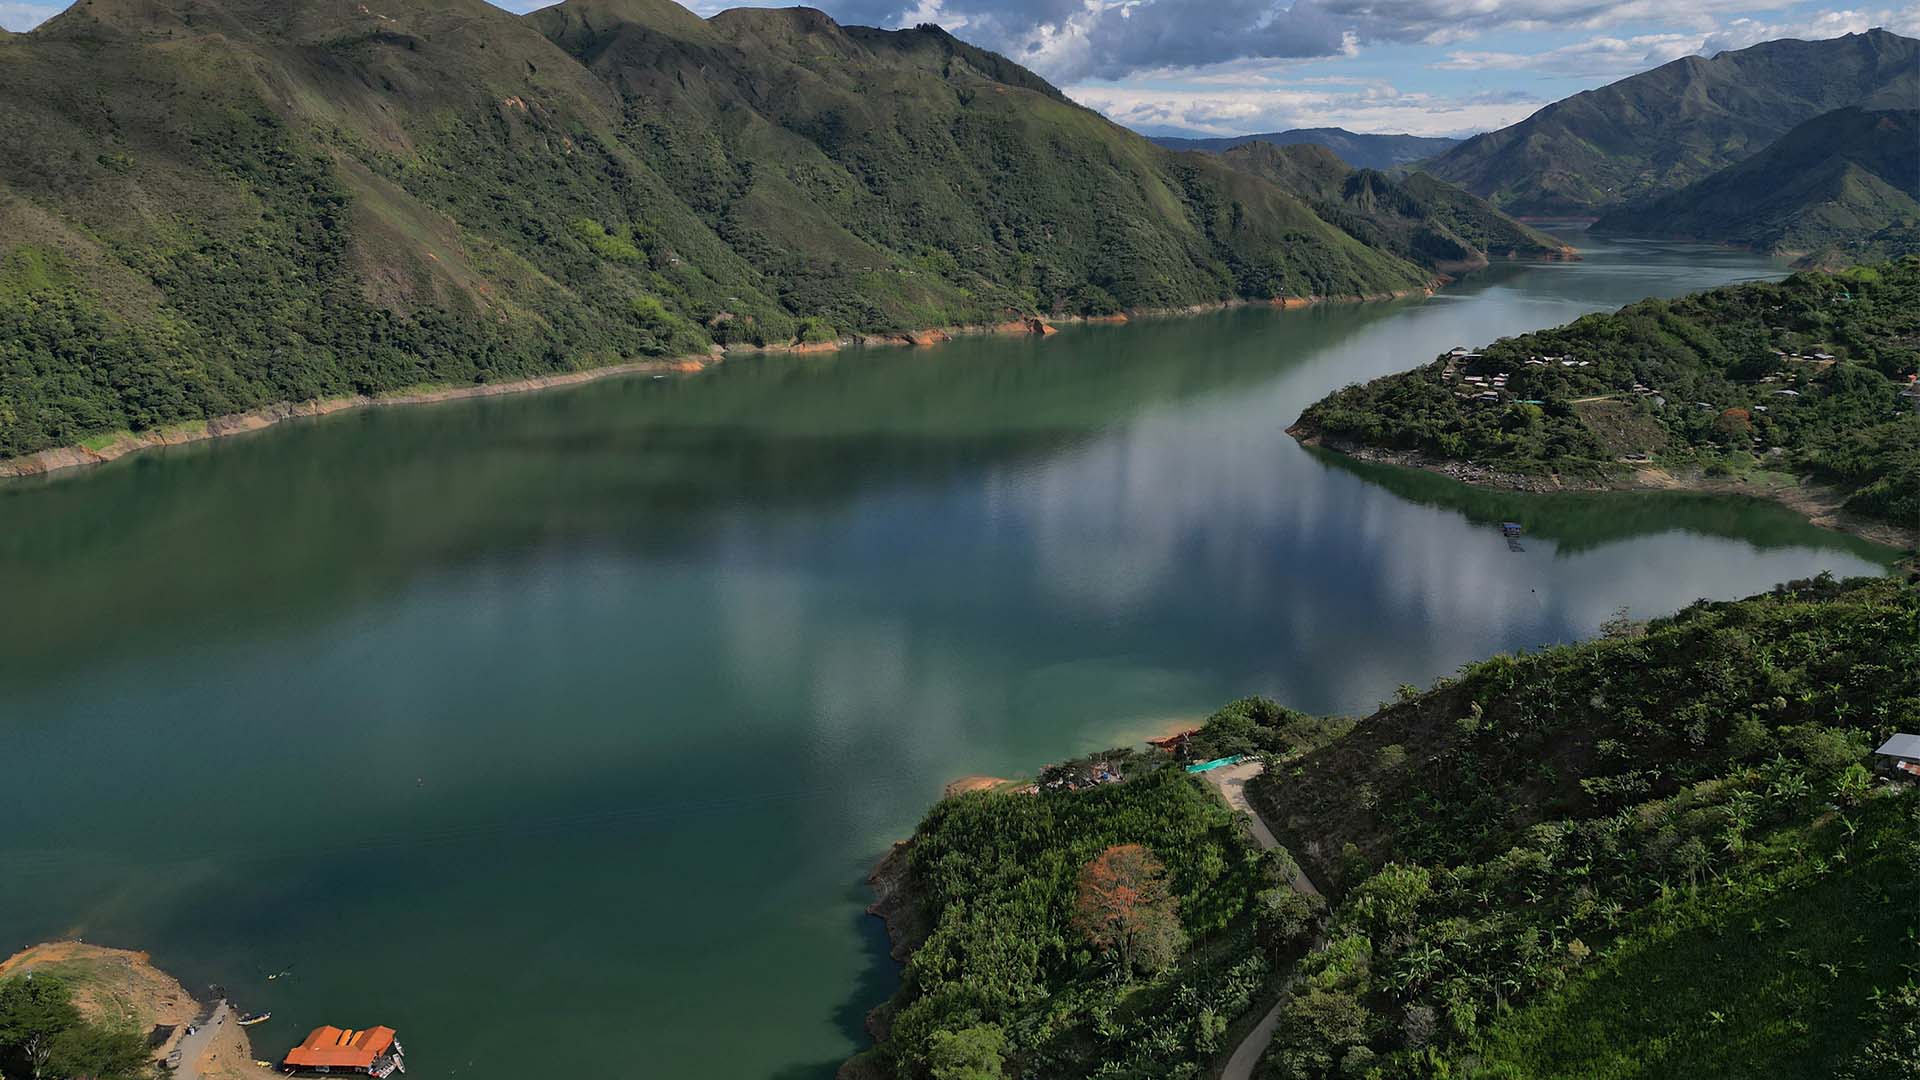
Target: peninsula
(72,1009)
(1509,859)
(1802,390)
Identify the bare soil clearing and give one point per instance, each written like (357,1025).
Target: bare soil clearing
(120,986)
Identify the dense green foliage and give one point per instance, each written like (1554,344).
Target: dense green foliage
(1524,850)
(1417,217)
(1362,151)
(44,1037)
(1516,856)
(997,877)
(1256,725)
(1660,130)
(1705,381)
(1840,188)
(210,206)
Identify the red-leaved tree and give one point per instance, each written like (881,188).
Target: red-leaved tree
(1124,907)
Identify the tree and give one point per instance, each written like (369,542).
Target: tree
(1319,1030)
(33,1013)
(974,1053)
(99,1053)
(1124,907)
(1282,918)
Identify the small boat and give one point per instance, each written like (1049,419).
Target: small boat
(250,1019)
(281,974)
(1511,528)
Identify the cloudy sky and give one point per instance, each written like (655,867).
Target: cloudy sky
(1430,67)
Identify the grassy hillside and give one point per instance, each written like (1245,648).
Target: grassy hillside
(1516,857)
(1842,186)
(1420,219)
(1720,380)
(1362,151)
(207,206)
(1660,130)
(1654,854)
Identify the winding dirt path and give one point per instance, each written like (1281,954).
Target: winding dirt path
(1232,784)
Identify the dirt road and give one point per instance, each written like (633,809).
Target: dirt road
(192,1048)
(1232,782)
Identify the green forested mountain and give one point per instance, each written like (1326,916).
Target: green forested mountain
(1360,150)
(1512,858)
(1804,375)
(1660,130)
(1416,217)
(1842,186)
(207,205)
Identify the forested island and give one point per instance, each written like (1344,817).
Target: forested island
(1811,377)
(1513,857)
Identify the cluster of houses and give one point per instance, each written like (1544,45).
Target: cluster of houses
(1473,387)
(1493,386)
(1823,359)
(1080,775)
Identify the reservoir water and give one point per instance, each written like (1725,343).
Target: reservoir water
(559,731)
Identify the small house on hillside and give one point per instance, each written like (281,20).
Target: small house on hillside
(374,1051)
(1900,756)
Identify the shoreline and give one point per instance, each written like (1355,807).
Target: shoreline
(123,987)
(1818,503)
(112,446)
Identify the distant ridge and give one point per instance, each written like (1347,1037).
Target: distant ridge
(1844,186)
(1415,216)
(1660,130)
(1359,150)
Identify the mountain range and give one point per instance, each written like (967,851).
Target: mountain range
(1658,131)
(211,205)
(1420,219)
(1359,150)
(1844,186)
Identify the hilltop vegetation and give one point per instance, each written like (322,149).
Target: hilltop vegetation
(74,1020)
(208,206)
(1804,376)
(1660,130)
(1360,150)
(1420,219)
(1514,857)
(1007,970)
(1524,850)
(1841,188)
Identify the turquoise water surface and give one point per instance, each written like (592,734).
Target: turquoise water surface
(584,713)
